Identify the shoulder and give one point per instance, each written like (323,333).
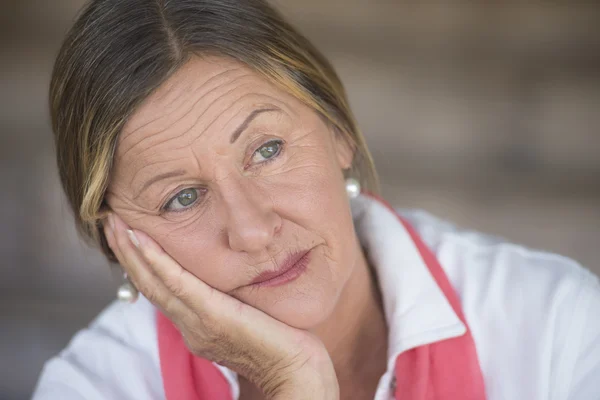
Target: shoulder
(112,358)
(534,315)
(485,266)
(470,257)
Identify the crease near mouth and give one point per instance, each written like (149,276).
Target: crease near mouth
(281,268)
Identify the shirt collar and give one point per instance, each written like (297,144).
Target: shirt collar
(416,309)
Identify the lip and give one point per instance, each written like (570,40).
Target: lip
(290,269)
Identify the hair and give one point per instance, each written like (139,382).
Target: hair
(118,52)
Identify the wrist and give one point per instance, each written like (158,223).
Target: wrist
(313,380)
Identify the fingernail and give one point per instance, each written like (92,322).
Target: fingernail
(111,221)
(109,234)
(133,238)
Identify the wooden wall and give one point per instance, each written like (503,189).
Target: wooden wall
(487,115)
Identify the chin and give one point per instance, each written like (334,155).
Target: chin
(304,304)
(306,314)
(307,301)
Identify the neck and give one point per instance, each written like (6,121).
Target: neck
(355,334)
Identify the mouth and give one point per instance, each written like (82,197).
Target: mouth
(290,269)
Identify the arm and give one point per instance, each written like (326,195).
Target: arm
(292,364)
(581,348)
(116,357)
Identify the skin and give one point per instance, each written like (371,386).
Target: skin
(252,212)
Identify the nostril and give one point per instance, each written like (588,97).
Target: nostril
(278,224)
(250,239)
(250,223)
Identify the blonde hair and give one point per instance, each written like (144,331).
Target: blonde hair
(118,52)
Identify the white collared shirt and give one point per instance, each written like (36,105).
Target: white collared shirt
(534,316)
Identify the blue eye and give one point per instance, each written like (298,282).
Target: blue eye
(182,200)
(267,151)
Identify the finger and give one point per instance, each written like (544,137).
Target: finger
(187,287)
(208,303)
(216,323)
(142,276)
(110,238)
(216,310)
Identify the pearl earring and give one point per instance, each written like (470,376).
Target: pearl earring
(352,188)
(127,293)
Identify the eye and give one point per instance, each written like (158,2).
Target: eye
(267,151)
(182,200)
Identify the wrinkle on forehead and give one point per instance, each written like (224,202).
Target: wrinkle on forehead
(200,101)
(175,91)
(196,76)
(212,98)
(155,165)
(186,146)
(235,108)
(147,130)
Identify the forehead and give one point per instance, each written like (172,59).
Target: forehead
(204,85)
(199,101)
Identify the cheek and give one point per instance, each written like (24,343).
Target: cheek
(312,195)
(315,181)
(198,250)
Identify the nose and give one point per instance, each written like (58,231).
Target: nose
(251,221)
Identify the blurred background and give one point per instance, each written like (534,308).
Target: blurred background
(484,114)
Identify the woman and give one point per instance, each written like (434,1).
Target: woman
(208,148)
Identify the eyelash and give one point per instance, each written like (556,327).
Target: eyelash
(165,207)
(281,144)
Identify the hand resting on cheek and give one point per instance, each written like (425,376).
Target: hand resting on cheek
(282,361)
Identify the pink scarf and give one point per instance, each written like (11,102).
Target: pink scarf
(444,370)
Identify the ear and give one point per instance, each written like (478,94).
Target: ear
(344,149)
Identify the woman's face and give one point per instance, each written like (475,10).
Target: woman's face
(234,177)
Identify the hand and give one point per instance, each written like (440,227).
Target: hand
(283,362)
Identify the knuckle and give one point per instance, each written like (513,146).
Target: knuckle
(151,262)
(214,342)
(212,295)
(149,292)
(199,344)
(215,339)
(212,328)
(170,306)
(218,335)
(203,339)
(175,285)
(121,242)
(152,298)
(194,346)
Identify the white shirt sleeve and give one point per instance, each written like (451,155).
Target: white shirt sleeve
(115,358)
(578,360)
(534,316)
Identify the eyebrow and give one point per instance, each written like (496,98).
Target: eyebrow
(236,134)
(161,177)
